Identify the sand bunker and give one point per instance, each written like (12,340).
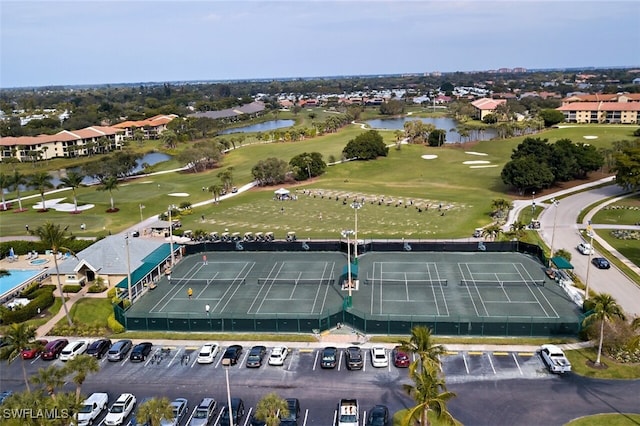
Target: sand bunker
(178,194)
(476,162)
(57,205)
(483,167)
(590,137)
(475,153)
(429,156)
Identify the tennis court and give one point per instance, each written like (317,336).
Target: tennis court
(455,292)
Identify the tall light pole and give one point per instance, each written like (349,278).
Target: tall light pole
(356,206)
(533,204)
(346,234)
(555,216)
(590,233)
(126,240)
(226,364)
(173,258)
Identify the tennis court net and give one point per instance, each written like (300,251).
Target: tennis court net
(295,281)
(489,283)
(402,281)
(204,281)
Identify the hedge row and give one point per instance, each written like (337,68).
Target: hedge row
(41,298)
(114,325)
(71,288)
(23,247)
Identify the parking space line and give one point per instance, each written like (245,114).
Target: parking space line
(517,363)
(491,362)
(466,366)
(174,358)
(340,361)
(526,353)
(315,360)
(306,414)
(451,353)
(364,364)
(475,353)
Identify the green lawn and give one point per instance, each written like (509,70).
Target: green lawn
(91,311)
(622,212)
(580,359)
(607,419)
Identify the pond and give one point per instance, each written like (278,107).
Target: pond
(443,123)
(260,127)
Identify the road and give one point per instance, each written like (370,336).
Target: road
(567,236)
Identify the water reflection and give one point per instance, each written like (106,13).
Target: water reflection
(260,127)
(443,123)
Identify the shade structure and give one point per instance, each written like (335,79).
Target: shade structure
(561,262)
(281,191)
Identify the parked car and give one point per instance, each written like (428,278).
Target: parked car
(4,395)
(140,352)
(99,348)
(256,356)
(92,408)
(119,350)
(205,413)
(585,248)
(73,349)
(232,354)
(293,404)
(52,349)
(329,357)
(379,357)
(34,349)
(120,410)
(355,360)
(179,407)
(601,263)
(400,358)
(278,355)
(555,359)
(378,416)
(208,352)
(237,411)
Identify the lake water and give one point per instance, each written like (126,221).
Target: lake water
(443,123)
(260,127)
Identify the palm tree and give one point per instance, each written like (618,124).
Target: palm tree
(518,228)
(215,190)
(271,408)
(17,180)
(73,180)
(605,308)
(154,410)
(109,183)
(500,205)
(421,344)
(429,391)
(81,366)
(492,231)
(41,181)
(5,183)
(51,235)
(18,336)
(50,378)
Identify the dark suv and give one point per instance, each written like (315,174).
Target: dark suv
(354,358)
(52,349)
(98,348)
(293,404)
(329,357)
(256,355)
(237,411)
(232,354)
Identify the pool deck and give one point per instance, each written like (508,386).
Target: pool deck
(23,263)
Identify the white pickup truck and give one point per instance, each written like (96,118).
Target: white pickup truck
(348,413)
(91,408)
(555,359)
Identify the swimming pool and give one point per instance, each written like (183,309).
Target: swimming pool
(16,279)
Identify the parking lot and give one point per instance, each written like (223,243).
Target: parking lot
(173,371)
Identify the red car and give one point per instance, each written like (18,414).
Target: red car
(52,349)
(34,349)
(400,358)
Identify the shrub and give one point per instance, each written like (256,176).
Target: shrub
(71,288)
(111,293)
(30,289)
(96,288)
(114,325)
(41,299)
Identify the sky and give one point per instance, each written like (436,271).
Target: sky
(100,42)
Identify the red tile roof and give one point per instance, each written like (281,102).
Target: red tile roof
(600,106)
(488,104)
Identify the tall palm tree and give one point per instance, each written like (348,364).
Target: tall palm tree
(421,343)
(492,231)
(500,206)
(271,408)
(41,181)
(215,190)
(51,235)
(154,410)
(18,336)
(605,309)
(73,180)
(518,228)
(80,367)
(5,183)
(429,391)
(17,180)
(50,378)
(109,183)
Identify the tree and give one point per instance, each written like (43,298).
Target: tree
(41,181)
(50,379)
(155,410)
(215,190)
(17,180)
(39,402)
(5,183)
(80,367)
(605,308)
(430,393)
(366,146)
(169,138)
(226,176)
(437,137)
(501,207)
(392,107)
(627,168)
(307,165)
(518,227)
(271,171)
(421,343)
(271,408)
(73,180)
(18,336)
(551,117)
(492,231)
(52,236)
(109,183)
(527,174)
